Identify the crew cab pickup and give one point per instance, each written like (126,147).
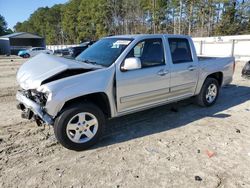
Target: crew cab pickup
(117,75)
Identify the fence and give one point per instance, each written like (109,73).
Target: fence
(237,46)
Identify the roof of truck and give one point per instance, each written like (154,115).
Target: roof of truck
(146,35)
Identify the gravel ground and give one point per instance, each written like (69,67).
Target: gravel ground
(180,145)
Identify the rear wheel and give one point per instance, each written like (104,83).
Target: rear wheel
(209,93)
(26,55)
(79,126)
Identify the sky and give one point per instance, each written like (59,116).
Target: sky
(19,10)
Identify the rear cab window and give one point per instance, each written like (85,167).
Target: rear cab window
(180,50)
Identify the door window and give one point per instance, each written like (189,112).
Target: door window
(180,50)
(150,52)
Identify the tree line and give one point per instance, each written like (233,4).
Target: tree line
(4,30)
(80,20)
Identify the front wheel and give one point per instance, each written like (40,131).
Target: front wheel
(209,93)
(79,126)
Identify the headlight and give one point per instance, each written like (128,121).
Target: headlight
(48,95)
(45,92)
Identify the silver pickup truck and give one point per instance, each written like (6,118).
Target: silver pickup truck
(117,75)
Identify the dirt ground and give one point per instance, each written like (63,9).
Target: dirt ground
(161,147)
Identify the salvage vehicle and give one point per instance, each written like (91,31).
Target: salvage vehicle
(117,75)
(33,51)
(246,70)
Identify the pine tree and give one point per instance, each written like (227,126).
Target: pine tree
(3,27)
(80,20)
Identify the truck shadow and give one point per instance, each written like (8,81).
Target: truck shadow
(171,116)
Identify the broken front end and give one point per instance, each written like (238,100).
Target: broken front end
(32,104)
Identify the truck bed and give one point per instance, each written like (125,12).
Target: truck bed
(204,58)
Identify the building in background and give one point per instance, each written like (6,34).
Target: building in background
(12,43)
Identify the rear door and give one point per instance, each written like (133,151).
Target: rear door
(148,85)
(184,68)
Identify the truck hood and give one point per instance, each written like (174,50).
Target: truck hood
(43,66)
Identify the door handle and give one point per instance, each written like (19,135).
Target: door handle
(162,72)
(191,68)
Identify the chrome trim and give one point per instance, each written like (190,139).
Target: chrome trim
(182,86)
(152,105)
(142,96)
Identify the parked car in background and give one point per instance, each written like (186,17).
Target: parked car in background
(116,76)
(246,70)
(33,51)
(73,52)
(61,52)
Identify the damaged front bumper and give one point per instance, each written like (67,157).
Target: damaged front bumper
(30,108)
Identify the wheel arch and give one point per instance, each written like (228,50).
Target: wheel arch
(100,99)
(218,76)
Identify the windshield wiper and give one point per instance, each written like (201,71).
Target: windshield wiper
(89,62)
(92,62)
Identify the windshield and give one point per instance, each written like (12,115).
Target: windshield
(104,52)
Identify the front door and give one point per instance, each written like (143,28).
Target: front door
(148,85)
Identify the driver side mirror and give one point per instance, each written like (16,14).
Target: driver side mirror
(131,63)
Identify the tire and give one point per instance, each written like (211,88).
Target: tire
(26,55)
(79,126)
(205,98)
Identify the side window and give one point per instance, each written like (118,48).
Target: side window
(180,50)
(150,52)
(138,49)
